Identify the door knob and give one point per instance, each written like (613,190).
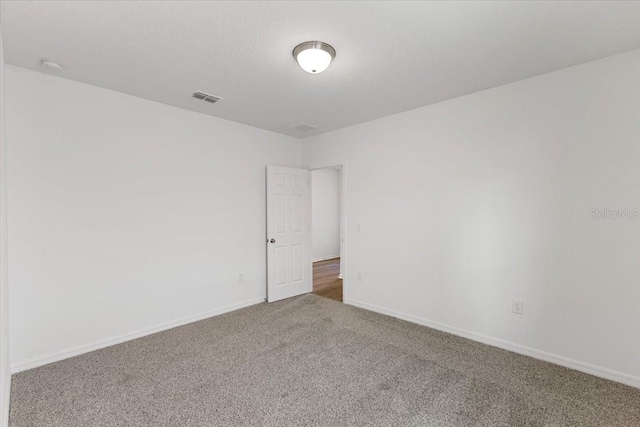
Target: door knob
(272,240)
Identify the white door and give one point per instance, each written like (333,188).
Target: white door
(288,214)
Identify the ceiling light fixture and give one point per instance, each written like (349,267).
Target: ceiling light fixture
(314,57)
(51,65)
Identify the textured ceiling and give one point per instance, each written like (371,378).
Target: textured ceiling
(391,56)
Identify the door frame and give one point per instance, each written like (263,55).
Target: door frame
(343,224)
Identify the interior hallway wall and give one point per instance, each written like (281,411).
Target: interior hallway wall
(325,216)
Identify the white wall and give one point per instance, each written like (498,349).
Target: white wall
(5,373)
(127,215)
(325,216)
(470,203)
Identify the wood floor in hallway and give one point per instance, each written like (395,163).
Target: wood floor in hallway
(325,279)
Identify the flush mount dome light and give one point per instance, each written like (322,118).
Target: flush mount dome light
(314,57)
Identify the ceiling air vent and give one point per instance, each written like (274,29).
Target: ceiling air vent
(206,97)
(304,127)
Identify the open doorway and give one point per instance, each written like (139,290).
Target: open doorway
(326,232)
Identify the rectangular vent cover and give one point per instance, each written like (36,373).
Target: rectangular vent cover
(206,97)
(304,127)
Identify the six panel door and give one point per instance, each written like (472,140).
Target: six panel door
(288,214)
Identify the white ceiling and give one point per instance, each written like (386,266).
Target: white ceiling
(391,56)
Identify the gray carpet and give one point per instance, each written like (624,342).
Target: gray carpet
(314,362)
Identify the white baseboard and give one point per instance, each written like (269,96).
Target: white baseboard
(76,351)
(326,258)
(587,368)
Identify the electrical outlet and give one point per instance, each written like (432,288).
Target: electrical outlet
(241,277)
(358,228)
(517,306)
(359,276)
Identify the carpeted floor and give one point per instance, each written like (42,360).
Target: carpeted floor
(314,362)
